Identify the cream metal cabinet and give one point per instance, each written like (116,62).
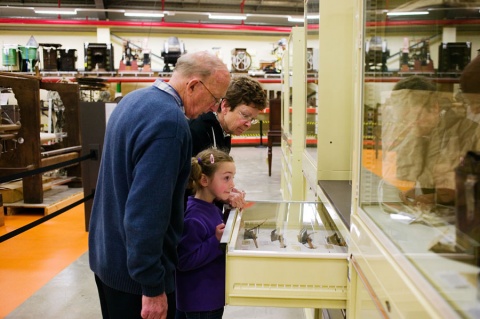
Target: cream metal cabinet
(336,69)
(328,165)
(285,254)
(410,260)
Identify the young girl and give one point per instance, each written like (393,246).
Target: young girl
(200,276)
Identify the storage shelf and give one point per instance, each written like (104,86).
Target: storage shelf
(136,76)
(133,79)
(255,140)
(395,78)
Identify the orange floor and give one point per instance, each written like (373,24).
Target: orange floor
(372,161)
(31,259)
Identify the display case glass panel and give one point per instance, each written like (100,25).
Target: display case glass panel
(286,227)
(294,107)
(287,75)
(312,15)
(418,182)
(289,83)
(285,254)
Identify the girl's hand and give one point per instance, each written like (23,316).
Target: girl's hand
(219,231)
(237,198)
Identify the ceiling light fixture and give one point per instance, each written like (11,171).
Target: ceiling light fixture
(144,14)
(64,11)
(227,17)
(412,13)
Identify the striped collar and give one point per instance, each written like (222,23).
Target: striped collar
(164,86)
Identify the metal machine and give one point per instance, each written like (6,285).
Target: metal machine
(173,49)
(376,54)
(135,58)
(98,57)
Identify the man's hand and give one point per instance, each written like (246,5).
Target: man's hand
(237,198)
(154,307)
(423,200)
(446,196)
(408,196)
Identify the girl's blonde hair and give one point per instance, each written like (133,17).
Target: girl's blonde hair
(206,162)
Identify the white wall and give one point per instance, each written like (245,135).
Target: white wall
(258,46)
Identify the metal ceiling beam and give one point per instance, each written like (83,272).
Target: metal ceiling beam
(101,15)
(250,6)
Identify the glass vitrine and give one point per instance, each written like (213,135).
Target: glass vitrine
(287,77)
(310,157)
(293,111)
(285,253)
(418,189)
(312,15)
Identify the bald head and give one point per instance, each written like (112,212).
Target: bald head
(200,63)
(201,79)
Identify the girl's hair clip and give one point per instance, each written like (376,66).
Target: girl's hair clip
(212,159)
(199,160)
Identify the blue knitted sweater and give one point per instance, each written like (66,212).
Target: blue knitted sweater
(137,214)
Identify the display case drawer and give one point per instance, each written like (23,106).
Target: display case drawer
(281,254)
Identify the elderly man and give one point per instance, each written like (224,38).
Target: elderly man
(137,214)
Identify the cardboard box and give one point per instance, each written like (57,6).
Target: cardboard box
(11,192)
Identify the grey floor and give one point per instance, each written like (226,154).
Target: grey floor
(72,293)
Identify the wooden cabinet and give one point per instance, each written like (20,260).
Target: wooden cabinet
(22,148)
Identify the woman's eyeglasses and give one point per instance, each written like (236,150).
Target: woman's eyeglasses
(247,118)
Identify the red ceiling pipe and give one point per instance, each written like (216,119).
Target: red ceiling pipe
(102,23)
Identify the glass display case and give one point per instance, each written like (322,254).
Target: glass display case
(285,254)
(287,99)
(310,157)
(294,115)
(418,204)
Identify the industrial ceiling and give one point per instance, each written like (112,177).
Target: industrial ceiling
(253,15)
(258,12)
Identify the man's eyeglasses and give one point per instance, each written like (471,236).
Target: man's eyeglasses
(247,118)
(217,100)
